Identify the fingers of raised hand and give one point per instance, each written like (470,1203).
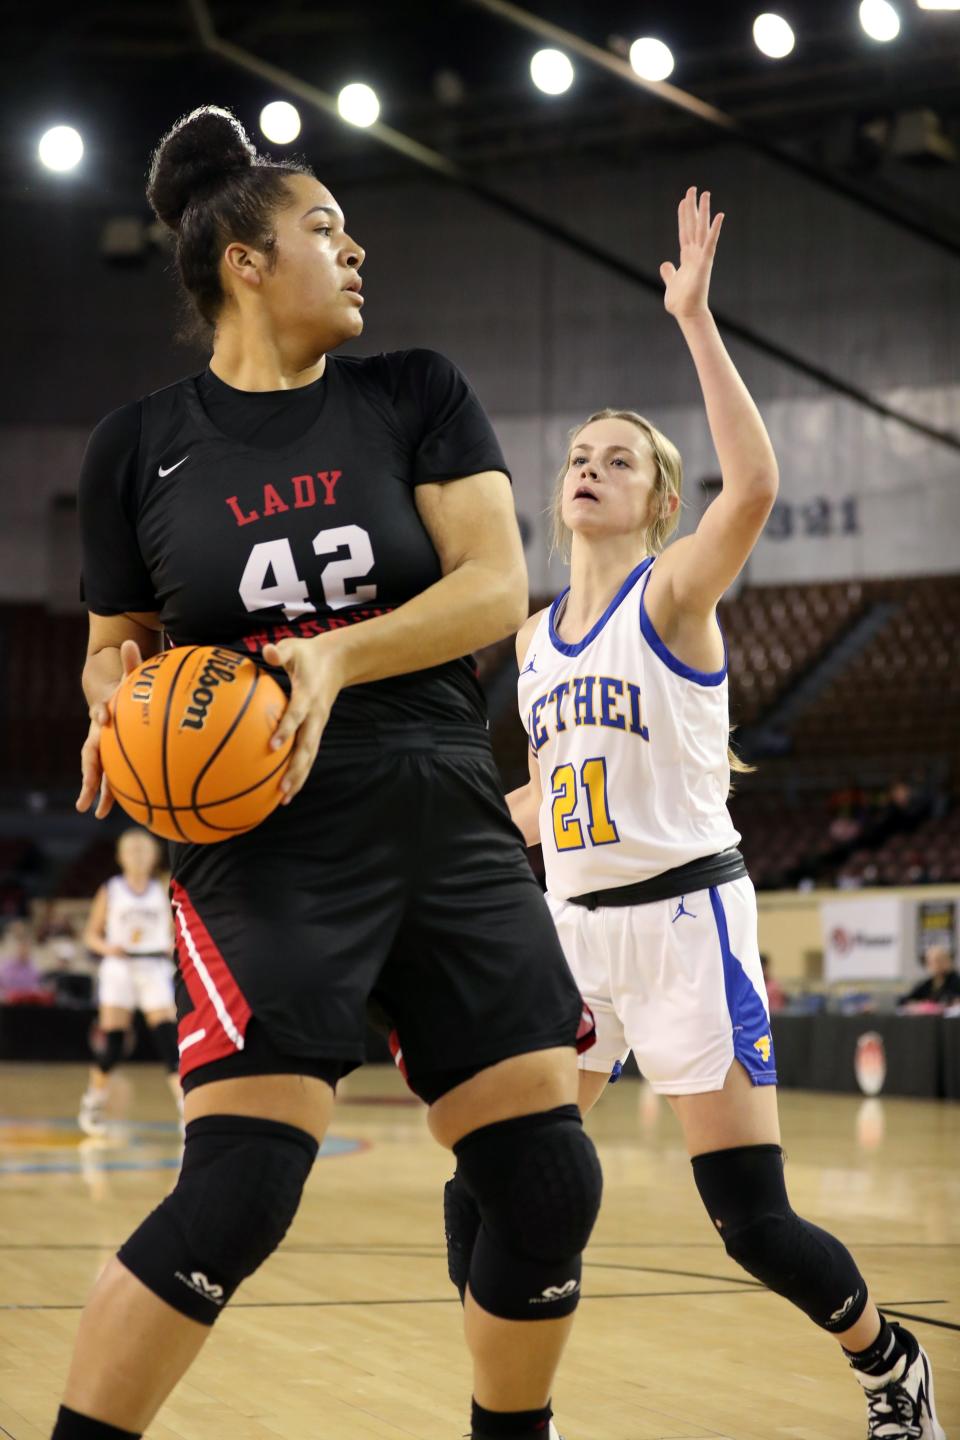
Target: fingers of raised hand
(667,272)
(703,218)
(302,758)
(713,235)
(684,219)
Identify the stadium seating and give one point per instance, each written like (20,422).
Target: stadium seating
(891,709)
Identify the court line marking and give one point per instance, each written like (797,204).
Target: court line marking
(415,1300)
(334,1147)
(454,1300)
(415,1248)
(923,1319)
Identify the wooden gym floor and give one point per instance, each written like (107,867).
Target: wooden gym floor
(352,1330)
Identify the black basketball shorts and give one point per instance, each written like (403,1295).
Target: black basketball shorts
(395,879)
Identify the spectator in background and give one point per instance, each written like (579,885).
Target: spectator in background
(18,974)
(776,995)
(67,985)
(942,985)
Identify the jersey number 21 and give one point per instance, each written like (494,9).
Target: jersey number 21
(568,831)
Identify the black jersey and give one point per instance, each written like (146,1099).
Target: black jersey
(243,518)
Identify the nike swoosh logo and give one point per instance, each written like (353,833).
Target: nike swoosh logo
(170,468)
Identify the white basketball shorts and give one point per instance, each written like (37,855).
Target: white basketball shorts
(678,982)
(136,984)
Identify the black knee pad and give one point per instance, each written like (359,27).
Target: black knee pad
(536,1183)
(746,1198)
(112,1050)
(164,1038)
(238,1191)
(461,1225)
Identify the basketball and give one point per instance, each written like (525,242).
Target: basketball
(187,751)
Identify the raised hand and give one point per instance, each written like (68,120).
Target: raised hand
(688,286)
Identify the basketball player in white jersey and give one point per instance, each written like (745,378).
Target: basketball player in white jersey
(130,925)
(623,691)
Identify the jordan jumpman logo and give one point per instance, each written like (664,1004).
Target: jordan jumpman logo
(682,910)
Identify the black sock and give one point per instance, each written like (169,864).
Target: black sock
(71,1426)
(883,1354)
(515,1424)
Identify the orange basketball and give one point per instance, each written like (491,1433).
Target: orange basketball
(187,752)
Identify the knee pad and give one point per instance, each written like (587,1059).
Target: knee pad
(461,1224)
(238,1191)
(746,1198)
(536,1184)
(164,1037)
(112,1050)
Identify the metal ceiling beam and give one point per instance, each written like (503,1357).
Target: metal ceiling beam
(716,119)
(446,169)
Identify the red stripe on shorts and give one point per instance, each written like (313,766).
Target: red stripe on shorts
(586,1030)
(216,1025)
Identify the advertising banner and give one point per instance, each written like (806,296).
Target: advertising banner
(863,939)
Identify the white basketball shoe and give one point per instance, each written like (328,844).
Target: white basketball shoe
(92,1118)
(900,1405)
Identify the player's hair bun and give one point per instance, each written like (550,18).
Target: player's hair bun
(203,148)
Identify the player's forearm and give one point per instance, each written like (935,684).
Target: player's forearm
(747,460)
(525,813)
(102,674)
(97,944)
(473,606)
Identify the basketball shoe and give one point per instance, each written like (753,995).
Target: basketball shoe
(92,1118)
(900,1405)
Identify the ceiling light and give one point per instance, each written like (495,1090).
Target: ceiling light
(879,19)
(280,122)
(551,71)
(773,36)
(358,105)
(651,59)
(61,148)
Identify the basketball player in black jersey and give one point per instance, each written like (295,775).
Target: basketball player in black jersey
(349,522)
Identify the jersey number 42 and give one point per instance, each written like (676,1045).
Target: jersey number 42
(270,575)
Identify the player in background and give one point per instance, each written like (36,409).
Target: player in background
(131,927)
(623,691)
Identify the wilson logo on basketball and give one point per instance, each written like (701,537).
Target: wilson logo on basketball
(147,673)
(220,669)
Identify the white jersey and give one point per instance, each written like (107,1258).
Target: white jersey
(140,924)
(632,749)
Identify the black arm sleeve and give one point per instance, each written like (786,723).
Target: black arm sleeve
(448,426)
(115,578)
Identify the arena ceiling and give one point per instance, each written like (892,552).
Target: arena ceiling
(456,78)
